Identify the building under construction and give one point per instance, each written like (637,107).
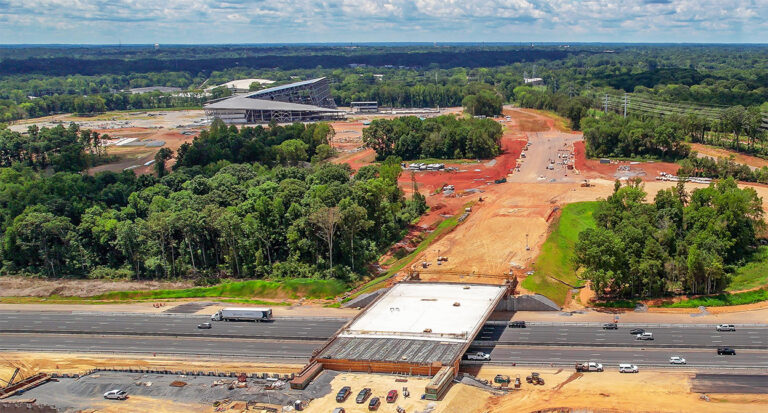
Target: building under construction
(309,100)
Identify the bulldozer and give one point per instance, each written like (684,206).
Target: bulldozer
(535,379)
(586,184)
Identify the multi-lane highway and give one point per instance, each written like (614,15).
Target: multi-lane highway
(296,338)
(200,346)
(612,357)
(693,336)
(164,325)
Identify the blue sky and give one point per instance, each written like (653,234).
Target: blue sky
(297,21)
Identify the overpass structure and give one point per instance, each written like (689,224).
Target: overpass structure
(414,328)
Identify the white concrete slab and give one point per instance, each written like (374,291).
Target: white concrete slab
(427,311)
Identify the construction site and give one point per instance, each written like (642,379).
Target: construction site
(412,333)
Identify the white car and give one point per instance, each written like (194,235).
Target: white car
(628,368)
(479,356)
(644,336)
(676,360)
(116,395)
(726,327)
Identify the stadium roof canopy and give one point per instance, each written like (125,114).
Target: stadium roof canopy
(246,103)
(284,87)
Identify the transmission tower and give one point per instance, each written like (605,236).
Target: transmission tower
(626,103)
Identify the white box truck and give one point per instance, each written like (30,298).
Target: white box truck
(243,314)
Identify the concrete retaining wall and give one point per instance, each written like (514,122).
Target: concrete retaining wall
(364,299)
(532,302)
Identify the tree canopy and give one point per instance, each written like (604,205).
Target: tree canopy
(681,242)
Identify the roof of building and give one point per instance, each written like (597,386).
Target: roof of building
(243,83)
(427,311)
(243,102)
(283,87)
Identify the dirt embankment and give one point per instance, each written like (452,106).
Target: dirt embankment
(739,157)
(16,286)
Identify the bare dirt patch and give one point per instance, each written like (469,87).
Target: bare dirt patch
(739,157)
(17,286)
(657,391)
(33,363)
(594,169)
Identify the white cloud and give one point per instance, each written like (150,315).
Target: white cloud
(191,21)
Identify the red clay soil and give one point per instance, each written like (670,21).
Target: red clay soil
(593,169)
(475,175)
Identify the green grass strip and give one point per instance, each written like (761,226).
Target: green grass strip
(722,300)
(753,274)
(556,255)
(295,288)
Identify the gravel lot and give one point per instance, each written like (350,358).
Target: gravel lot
(71,395)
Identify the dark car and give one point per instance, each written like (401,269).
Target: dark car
(204,325)
(610,326)
(343,394)
(636,331)
(726,351)
(517,324)
(374,404)
(363,395)
(391,396)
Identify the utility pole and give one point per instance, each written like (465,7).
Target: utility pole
(605,103)
(626,102)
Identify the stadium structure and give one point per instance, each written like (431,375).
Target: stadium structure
(309,100)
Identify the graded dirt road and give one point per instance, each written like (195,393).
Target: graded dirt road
(505,230)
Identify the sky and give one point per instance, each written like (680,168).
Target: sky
(316,21)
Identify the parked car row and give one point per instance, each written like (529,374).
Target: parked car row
(363,395)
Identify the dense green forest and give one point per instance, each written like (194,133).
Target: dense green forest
(444,137)
(36,81)
(210,218)
(631,137)
(682,242)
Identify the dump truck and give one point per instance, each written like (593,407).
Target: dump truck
(243,314)
(589,366)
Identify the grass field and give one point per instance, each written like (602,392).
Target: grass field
(722,300)
(556,255)
(294,288)
(753,274)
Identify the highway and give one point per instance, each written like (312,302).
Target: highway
(296,338)
(165,325)
(301,350)
(201,346)
(612,357)
(673,337)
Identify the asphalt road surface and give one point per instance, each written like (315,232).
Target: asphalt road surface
(612,357)
(203,346)
(730,383)
(674,337)
(165,325)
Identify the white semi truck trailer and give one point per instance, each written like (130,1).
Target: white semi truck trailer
(243,314)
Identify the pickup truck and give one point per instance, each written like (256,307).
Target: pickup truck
(589,366)
(479,356)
